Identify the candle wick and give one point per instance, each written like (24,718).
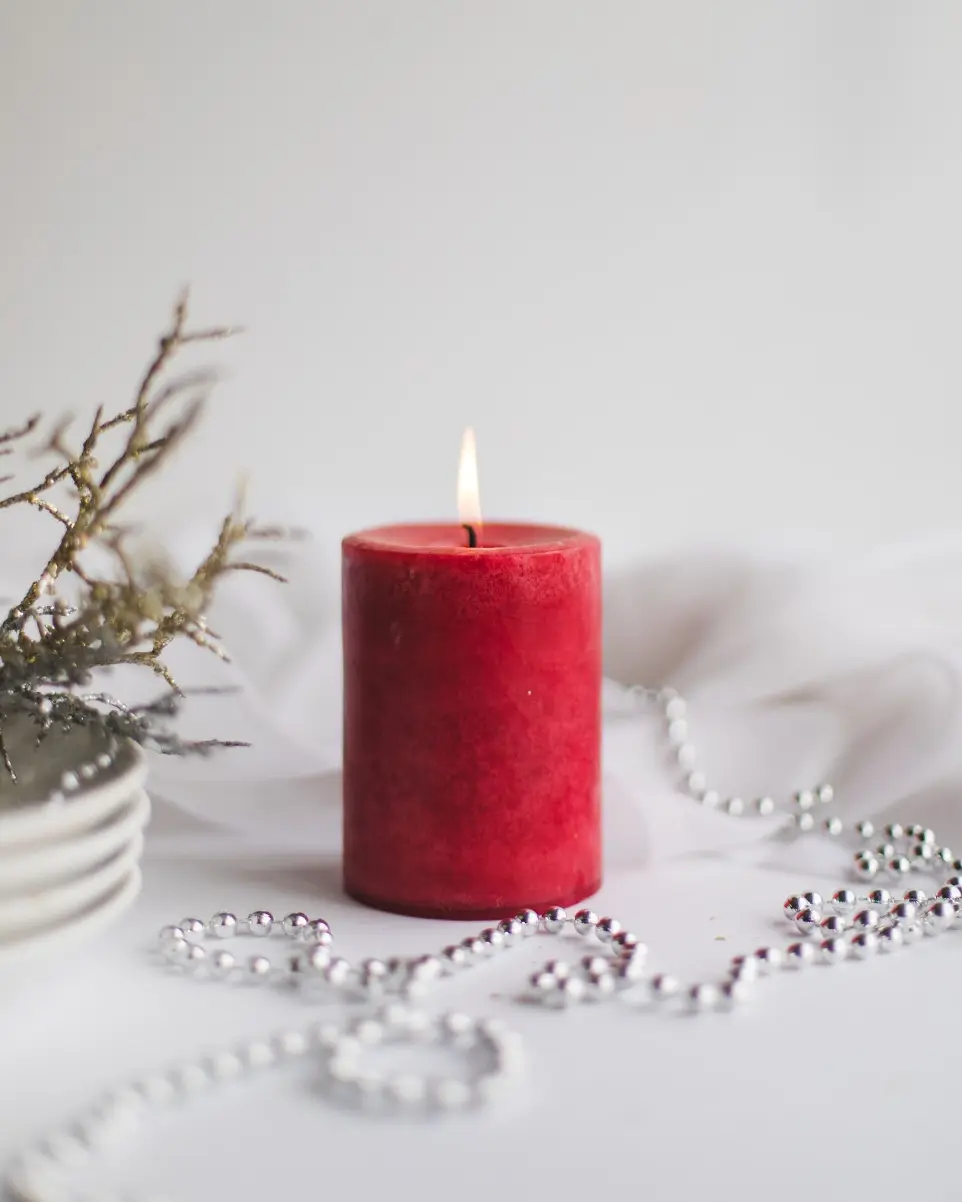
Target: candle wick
(471,533)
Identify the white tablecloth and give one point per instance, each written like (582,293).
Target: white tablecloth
(791,1097)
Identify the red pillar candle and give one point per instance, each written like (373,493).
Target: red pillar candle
(472,681)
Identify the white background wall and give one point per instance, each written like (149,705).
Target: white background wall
(692,269)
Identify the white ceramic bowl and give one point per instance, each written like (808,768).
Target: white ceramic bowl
(50,941)
(38,808)
(45,905)
(40,864)
(30,866)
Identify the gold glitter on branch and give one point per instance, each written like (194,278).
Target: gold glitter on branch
(50,649)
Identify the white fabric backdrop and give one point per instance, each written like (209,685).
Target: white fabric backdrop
(798,668)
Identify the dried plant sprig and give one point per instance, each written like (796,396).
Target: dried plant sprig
(49,649)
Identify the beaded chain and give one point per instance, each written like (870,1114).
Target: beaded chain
(851,925)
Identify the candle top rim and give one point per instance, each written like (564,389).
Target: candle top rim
(413,538)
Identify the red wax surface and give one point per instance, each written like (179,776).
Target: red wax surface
(472,683)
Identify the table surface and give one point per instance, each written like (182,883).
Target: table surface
(787,1097)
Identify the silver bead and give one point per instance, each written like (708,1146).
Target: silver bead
(904,911)
(493,940)
(899,866)
(374,973)
(950,893)
(571,990)
(952,880)
(922,854)
(800,954)
(744,968)
(607,929)
(225,1065)
(512,930)
(833,826)
(675,708)
(895,830)
(451,1094)
(176,950)
(804,822)
(702,998)
(866,920)
(338,972)
(939,917)
(866,865)
(170,934)
(629,970)
(735,991)
(864,945)
(195,956)
(429,968)
(807,921)
(696,784)
(663,986)
(295,925)
(915,897)
(835,924)
(793,906)
(223,925)
(735,806)
(957,864)
(316,958)
(600,986)
(222,963)
(530,921)
(553,920)
(193,929)
(943,855)
(711,798)
(595,966)
(880,897)
(825,794)
(543,982)
(865,829)
(258,967)
(585,922)
(911,932)
(625,944)
(925,835)
(677,732)
(319,931)
(833,950)
(891,938)
(813,899)
(291,1043)
(457,1028)
(686,755)
(260,922)
(474,948)
(769,959)
(455,958)
(558,968)
(885,851)
(844,901)
(765,806)
(804,799)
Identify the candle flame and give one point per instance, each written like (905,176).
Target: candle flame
(469,497)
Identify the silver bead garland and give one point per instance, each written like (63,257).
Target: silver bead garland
(854,924)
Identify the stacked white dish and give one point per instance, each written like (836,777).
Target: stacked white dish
(71,839)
